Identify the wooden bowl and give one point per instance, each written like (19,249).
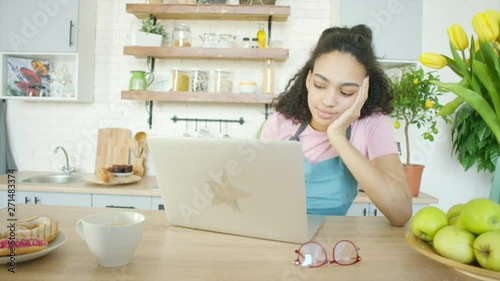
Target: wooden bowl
(427,250)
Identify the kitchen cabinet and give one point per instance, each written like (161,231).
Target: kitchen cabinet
(121,201)
(362,206)
(39,26)
(157,203)
(206,12)
(390,21)
(48,46)
(54,198)
(3,199)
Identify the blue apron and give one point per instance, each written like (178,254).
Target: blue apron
(330,186)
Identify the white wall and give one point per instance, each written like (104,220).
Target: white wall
(35,129)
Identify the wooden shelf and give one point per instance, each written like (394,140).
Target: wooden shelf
(208,53)
(210,12)
(197,97)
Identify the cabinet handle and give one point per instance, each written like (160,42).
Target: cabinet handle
(161,207)
(26,200)
(71,25)
(364,212)
(36,200)
(375,212)
(124,207)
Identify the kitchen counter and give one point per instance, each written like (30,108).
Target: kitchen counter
(141,188)
(175,253)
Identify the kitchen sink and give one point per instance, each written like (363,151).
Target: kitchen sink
(53,179)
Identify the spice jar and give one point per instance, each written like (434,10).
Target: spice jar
(180,81)
(223,81)
(246,42)
(199,81)
(181,36)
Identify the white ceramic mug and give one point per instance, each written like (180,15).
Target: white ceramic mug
(112,237)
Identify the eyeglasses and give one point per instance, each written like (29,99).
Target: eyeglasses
(312,254)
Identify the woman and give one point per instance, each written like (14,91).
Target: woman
(337,107)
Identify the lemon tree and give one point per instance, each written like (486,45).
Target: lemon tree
(416,102)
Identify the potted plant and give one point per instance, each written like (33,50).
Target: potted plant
(415,104)
(150,34)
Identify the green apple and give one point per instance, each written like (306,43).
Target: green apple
(455,243)
(481,215)
(487,250)
(427,221)
(457,221)
(454,211)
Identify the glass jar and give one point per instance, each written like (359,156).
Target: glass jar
(181,36)
(246,42)
(223,81)
(255,43)
(199,81)
(180,80)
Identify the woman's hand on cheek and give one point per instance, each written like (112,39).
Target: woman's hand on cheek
(340,125)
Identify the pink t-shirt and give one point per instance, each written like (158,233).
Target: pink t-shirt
(372,136)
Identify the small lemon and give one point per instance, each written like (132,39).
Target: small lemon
(396,124)
(415,81)
(429,104)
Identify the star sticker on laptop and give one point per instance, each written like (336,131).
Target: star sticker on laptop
(226,193)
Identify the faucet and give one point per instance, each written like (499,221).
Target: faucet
(66,169)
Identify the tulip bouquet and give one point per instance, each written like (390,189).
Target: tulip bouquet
(478,66)
(480,70)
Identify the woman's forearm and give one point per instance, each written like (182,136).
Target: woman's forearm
(383,180)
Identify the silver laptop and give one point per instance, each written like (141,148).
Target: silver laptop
(244,187)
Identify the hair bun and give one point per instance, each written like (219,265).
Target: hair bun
(364,33)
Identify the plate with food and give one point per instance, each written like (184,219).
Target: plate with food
(34,250)
(122,174)
(427,250)
(35,237)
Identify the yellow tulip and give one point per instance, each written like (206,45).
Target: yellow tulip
(433,60)
(485,26)
(494,14)
(458,37)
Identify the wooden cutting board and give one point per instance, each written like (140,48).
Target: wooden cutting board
(112,147)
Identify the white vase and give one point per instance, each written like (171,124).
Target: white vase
(140,38)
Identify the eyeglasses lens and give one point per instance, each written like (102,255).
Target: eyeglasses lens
(345,253)
(311,254)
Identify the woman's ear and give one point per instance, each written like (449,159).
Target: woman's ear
(308,79)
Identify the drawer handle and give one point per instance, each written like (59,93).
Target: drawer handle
(123,207)
(71,32)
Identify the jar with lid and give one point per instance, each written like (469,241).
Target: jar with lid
(255,43)
(181,36)
(223,81)
(246,42)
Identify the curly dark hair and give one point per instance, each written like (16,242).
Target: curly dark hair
(357,41)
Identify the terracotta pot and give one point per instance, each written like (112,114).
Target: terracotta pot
(414,176)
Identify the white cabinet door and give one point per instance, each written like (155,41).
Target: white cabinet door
(62,199)
(3,199)
(24,197)
(39,26)
(54,198)
(121,201)
(157,203)
(390,21)
(359,209)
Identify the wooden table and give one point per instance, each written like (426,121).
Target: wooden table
(174,253)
